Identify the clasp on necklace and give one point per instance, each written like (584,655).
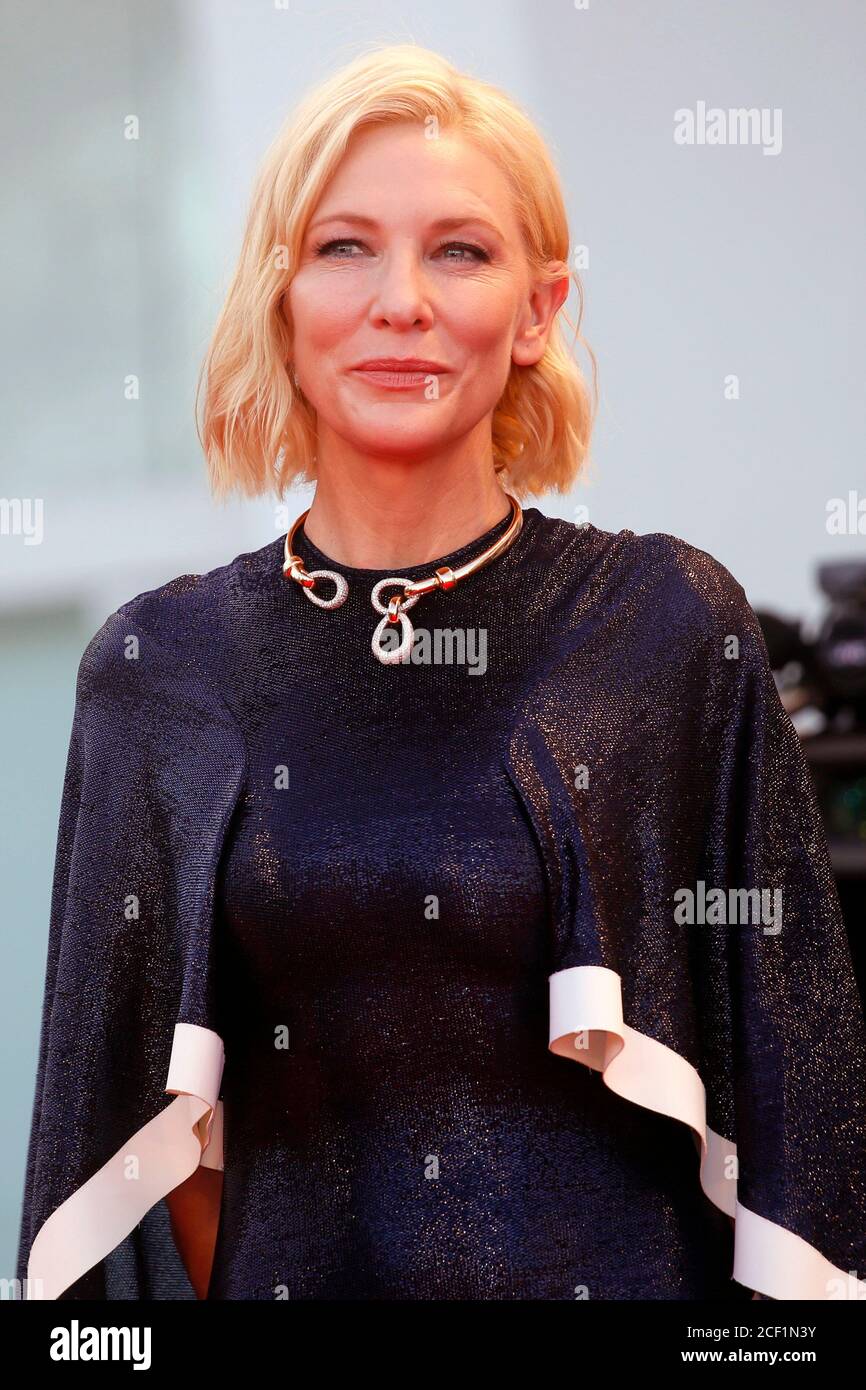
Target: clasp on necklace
(444,578)
(293,568)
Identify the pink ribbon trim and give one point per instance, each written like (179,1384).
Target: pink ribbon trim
(153,1162)
(586,1025)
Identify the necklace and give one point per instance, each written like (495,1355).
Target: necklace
(395,610)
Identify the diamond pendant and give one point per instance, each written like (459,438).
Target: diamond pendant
(340,594)
(395,612)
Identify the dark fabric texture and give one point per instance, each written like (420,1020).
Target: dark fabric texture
(362,876)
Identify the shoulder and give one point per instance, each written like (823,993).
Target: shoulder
(705,611)
(653,609)
(692,578)
(648,621)
(655,575)
(189,602)
(187,617)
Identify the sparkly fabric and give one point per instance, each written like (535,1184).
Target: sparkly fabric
(362,876)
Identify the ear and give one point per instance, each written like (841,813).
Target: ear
(537,317)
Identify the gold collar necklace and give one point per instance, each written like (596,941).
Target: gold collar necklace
(444,578)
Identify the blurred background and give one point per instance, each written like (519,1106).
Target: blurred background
(725,300)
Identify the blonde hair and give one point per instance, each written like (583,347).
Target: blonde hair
(257,429)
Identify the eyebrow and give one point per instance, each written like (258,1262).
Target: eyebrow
(443,224)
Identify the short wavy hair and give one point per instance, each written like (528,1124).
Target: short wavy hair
(257,429)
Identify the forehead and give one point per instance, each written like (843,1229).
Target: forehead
(393,171)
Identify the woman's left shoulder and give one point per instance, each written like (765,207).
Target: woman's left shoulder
(662,578)
(691,573)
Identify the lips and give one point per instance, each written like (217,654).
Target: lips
(399,364)
(399,373)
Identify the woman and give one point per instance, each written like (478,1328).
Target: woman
(495,959)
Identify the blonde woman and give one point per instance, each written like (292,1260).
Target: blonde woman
(442,908)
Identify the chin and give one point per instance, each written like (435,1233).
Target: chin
(400,429)
(402,446)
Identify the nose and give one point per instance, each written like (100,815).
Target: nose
(402,290)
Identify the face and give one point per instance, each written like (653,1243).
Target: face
(413,253)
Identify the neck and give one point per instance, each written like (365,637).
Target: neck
(384,513)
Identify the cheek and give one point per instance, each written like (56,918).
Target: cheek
(481,320)
(324,311)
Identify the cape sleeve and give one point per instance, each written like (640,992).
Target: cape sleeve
(782,1012)
(125,1020)
(68,822)
(700,958)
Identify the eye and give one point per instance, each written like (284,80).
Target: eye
(325,247)
(469,250)
(476,251)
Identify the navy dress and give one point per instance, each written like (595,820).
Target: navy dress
(395,1126)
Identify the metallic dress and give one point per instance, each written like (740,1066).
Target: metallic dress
(450,961)
(395,1126)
